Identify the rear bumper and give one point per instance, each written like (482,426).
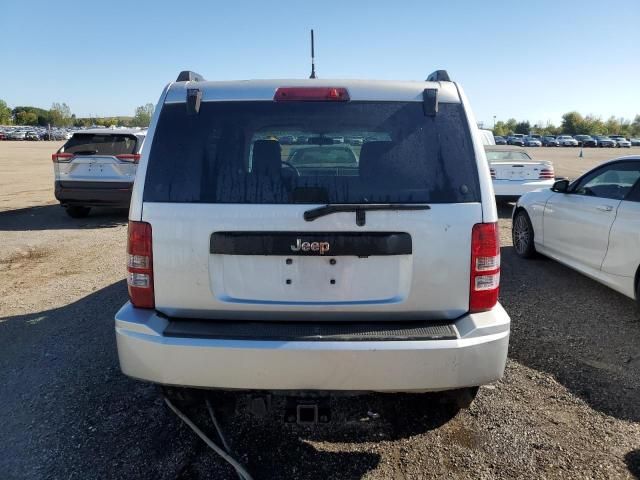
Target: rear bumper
(514,189)
(94,194)
(476,357)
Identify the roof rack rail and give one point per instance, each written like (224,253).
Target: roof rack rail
(439,76)
(189,76)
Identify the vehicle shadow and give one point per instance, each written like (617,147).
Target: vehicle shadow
(53,217)
(358,420)
(505,209)
(583,333)
(67,411)
(632,459)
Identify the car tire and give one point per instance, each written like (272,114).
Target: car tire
(522,235)
(77,211)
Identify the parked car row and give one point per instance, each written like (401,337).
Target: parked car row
(564,140)
(304,139)
(31,133)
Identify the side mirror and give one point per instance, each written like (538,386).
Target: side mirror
(561,186)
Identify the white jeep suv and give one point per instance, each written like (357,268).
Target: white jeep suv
(314,265)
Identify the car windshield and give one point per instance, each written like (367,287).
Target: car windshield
(322,157)
(305,152)
(506,155)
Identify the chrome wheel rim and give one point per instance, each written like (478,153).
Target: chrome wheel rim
(521,234)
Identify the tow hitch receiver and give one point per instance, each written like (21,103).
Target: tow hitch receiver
(307,411)
(307,414)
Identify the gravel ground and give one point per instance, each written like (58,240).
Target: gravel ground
(567,406)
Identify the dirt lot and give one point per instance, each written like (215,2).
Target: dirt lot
(567,407)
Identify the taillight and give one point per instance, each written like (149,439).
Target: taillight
(140,265)
(311,94)
(493,173)
(61,157)
(547,173)
(129,157)
(485,267)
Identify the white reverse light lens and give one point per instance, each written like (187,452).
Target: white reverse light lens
(137,261)
(487,282)
(138,280)
(484,264)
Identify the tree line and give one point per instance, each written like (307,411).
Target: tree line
(60,115)
(573,123)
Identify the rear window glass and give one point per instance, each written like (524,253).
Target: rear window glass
(503,155)
(311,152)
(95,144)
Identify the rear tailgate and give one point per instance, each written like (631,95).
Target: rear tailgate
(102,157)
(518,170)
(96,168)
(230,174)
(430,282)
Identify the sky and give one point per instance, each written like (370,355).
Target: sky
(530,63)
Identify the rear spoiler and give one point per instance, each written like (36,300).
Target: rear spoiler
(189,76)
(439,76)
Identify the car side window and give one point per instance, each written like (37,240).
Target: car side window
(612,181)
(634,195)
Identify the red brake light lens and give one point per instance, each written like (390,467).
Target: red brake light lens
(485,267)
(311,94)
(61,157)
(140,265)
(547,173)
(129,157)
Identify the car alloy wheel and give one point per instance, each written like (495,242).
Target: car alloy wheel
(522,234)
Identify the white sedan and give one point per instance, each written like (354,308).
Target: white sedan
(566,141)
(515,173)
(591,225)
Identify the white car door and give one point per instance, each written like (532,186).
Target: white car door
(576,224)
(623,255)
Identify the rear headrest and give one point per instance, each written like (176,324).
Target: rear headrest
(266,157)
(374,160)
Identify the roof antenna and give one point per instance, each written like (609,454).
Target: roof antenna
(313,65)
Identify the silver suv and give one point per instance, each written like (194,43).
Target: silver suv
(97,168)
(315,264)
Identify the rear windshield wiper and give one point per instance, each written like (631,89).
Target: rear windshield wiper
(359,209)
